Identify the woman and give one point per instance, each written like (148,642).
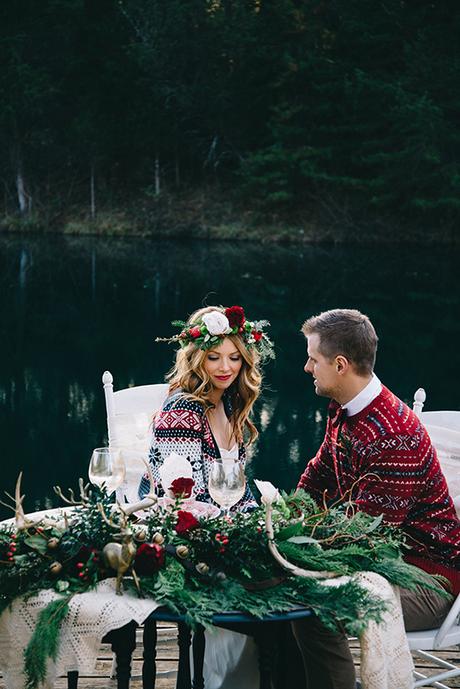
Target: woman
(212,389)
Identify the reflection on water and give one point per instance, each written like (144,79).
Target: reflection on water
(73,307)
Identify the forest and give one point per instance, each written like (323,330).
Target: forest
(342,112)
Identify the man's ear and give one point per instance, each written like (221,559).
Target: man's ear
(342,364)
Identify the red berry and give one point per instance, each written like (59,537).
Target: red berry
(14,537)
(80,565)
(9,554)
(12,547)
(222,550)
(217,536)
(225,540)
(81,574)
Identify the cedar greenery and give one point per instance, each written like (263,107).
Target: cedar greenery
(342,108)
(227,564)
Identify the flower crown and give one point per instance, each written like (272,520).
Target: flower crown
(213,326)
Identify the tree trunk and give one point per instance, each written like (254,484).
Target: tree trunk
(92,193)
(157,176)
(21,191)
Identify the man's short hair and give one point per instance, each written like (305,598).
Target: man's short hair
(348,332)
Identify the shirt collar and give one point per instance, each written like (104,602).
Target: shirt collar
(363,398)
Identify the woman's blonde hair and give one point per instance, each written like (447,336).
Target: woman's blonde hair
(189,375)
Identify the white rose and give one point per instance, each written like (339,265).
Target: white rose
(268,492)
(216,323)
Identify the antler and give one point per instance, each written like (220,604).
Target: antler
(285,564)
(84,497)
(149,500)
(22,522)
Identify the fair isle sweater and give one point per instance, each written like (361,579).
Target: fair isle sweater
(182,427)
(383,459)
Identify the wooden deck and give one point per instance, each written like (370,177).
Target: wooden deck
(167,655)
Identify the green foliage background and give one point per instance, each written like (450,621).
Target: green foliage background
(347,109)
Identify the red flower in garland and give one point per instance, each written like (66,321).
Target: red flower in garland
(194,332)
(185,522)
(182,487)
(257,335)
(149,559)
(235,315)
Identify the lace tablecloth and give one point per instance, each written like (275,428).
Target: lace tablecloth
(91,616)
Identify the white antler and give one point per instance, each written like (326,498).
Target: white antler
(21,520)
(285,564)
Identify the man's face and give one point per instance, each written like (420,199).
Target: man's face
(325,375)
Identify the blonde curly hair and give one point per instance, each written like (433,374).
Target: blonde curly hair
(189,375)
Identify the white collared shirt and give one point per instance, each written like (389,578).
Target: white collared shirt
(363,398)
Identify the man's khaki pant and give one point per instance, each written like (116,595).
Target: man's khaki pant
(326,655)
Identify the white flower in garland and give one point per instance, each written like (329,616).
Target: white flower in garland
(216,323)
(269,494)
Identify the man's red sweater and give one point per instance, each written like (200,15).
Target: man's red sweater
(383,459)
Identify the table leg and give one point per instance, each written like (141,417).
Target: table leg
(123,644)
(183,640)
(267,654)
(72,679)
(198,647)
(149,669)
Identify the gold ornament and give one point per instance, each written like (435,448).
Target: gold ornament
(53,543)
(158,538)
(140,535)
(182,551)
(202,568)
(55,568)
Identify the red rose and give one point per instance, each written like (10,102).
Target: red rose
(185,522)
(257,335)
(182,487)
(194,332)
(149,559)
(235,315)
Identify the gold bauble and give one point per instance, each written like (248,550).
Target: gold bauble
(182,551)
(158,538)
(55,568)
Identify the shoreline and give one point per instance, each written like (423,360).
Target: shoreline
(194,216)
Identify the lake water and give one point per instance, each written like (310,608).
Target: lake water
(74,307)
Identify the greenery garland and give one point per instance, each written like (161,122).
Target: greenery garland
(199,567)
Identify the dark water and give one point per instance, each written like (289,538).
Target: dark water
(71,308)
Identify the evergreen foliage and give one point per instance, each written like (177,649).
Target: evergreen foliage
(345,108)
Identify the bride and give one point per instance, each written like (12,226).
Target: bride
(213,386)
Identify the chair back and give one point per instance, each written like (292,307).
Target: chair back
(129,425)
(444,430)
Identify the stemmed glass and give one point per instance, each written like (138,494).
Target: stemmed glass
(227,483)
(107,468)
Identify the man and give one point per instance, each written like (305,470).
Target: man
(375,451)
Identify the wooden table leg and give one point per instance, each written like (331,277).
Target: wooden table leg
(198,647)
(183,640)
(123,643)
(149,669)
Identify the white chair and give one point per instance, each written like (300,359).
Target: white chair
(129,420)
(444,430)
(129,424)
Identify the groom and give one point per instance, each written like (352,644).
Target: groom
(376,452)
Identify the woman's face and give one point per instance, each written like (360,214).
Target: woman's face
(223,364)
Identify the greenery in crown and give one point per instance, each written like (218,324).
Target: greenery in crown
(213,326)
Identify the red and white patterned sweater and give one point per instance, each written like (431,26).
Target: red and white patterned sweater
(383,459)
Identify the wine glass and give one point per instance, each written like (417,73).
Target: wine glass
(107,468)
(227,483)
